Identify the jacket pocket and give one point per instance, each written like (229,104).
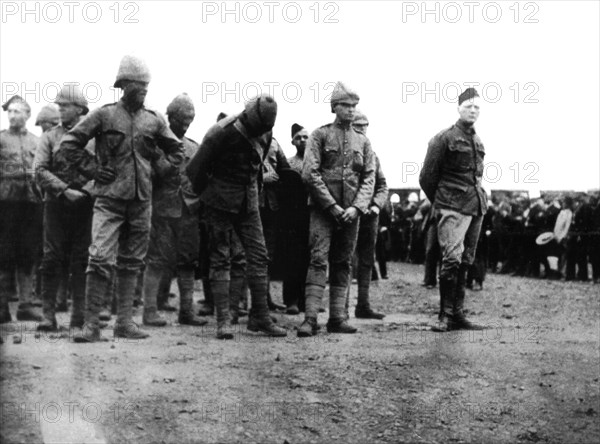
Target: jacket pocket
(460,154)
(358,162)
(113,139)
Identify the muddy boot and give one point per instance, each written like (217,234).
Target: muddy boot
(261,320)
(363,308)
(337,322)
(207,306)
(96,287)
(220,292)
(163,293)
(62,292)
(447,294)
(460,322)
(50,284)
(307,328)
(78,298)
(314,295)
(236,289)
(5,284)
(26,310)
(125,327)
(150,288)
(185,282)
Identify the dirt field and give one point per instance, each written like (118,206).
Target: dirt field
(532,377)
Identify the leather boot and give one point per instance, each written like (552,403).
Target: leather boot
(63,290)
(207,306)
(220,292)
(78,297)
(96,287)
(5,284)
(163,293)
(236,289)
(447,295)
(185,282)
(308,328)
(26,310)
(459,319)
(337,322)
(363,308)
(125,327)
(150,289)
(261,320)
(50,284)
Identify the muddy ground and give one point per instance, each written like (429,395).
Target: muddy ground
(532,377)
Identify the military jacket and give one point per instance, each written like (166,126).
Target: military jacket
(52,171)
(225,171)
(17,151)
(339,167)
(133,143)
(452,171)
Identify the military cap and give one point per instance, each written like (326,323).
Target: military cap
(261,112)
(467,94)
(296,129)
(132,68)
(16,99)
(342,94)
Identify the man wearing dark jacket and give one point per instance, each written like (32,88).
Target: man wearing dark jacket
(225,173)
(451,179)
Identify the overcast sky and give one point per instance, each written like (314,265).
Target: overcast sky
(536,65)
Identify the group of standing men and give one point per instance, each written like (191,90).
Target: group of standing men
(123,191)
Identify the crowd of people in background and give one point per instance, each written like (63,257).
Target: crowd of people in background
(507,243)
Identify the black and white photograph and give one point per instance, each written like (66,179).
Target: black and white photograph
(299,222)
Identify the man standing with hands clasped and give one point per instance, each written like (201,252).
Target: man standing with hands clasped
(132,144)
(451,179)
(339,172)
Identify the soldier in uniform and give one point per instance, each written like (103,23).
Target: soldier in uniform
(339,172)
(131,143)
(175,236)
(67,212)
(368,228)
(225,173)
(296,218)
(451,180)
(47,118)
(20,232)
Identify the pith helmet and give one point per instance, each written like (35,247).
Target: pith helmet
(71,93)
(360,119)
(48,113)
(132,68)
(181,104)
